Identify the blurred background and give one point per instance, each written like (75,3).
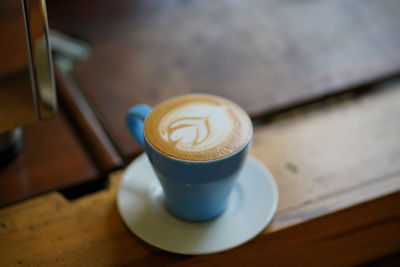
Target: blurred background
(268,56)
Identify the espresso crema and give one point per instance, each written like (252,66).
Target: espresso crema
(198,127)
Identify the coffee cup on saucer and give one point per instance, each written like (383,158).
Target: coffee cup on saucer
(197,145)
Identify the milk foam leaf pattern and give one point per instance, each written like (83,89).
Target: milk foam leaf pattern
(189,130)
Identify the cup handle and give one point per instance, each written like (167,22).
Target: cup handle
(135,119)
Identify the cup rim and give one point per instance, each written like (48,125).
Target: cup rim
(249,139)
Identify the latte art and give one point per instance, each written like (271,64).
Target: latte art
(198,127)
(192,130)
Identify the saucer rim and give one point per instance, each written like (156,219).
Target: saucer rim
(262,225)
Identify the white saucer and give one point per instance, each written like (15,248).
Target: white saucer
(251,207)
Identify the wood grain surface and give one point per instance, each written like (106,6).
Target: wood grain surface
(338,171)
(88,126)
(264,55)
(49,230)
(331,155)
(52,158)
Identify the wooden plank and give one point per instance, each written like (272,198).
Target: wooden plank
(344,152)
(331,211)
(88,126)
(264,55)
(68,233)
(349,237)
(94,234)
(52,158)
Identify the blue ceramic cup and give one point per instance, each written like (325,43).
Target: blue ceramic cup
(194,190)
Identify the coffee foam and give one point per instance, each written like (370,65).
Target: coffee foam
(198,127)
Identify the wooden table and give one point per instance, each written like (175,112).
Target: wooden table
(310,74)
(337,166)
(265,55)
(52,158)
